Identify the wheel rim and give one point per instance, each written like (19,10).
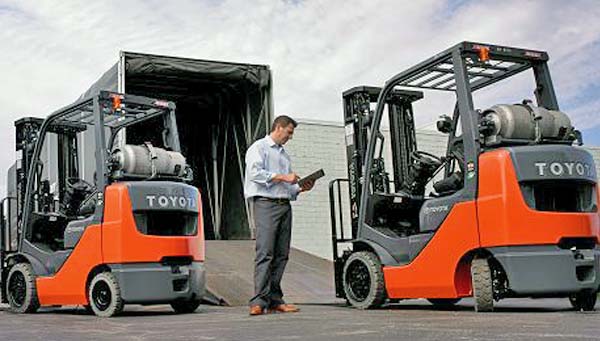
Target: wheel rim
(17,289)
(101,295)
(359,280)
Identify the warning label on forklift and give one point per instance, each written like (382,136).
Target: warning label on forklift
(349,134)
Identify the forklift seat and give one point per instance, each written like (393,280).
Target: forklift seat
(397,200)
(398,211)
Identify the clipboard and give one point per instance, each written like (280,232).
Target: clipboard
(314,176)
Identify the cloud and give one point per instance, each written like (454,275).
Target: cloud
(52,51)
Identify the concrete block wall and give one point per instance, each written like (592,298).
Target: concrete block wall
(596,154)
(321,144)
(316,145)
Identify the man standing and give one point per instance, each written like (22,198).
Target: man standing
(270,185)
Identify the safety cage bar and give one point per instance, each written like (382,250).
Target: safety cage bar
(485,64)
(119,110)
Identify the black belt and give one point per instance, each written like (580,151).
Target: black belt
(279,201)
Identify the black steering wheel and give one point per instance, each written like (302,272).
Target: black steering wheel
(75,184)
(426,158)
(75,193)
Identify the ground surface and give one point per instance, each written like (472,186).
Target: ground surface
(549,319)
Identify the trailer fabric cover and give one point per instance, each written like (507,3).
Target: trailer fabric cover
(221,109)
(109,82)
(173,67)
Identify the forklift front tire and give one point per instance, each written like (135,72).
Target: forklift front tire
(21,290)
(185,307)
(363,280)
(105,295)
(481,278)
(584,300)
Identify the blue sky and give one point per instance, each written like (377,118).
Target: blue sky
(53,50)
(591,137)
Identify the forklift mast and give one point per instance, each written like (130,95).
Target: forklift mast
(11,207)
(26,134)
(357,121)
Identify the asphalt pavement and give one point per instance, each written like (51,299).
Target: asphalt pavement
(522,319)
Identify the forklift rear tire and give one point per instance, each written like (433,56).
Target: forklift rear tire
(105,295)
(363,280)
(21,290)
(584,300)
(481,278)
(185,307)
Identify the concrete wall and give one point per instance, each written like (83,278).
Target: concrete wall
(316,145)
(320,144)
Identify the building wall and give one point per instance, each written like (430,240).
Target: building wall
(320,144)
(315,146)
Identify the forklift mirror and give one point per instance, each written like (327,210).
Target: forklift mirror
(444,124)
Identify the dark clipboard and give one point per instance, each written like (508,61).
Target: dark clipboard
(314,176)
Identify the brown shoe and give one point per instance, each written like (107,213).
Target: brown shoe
(256,310)
(284,308)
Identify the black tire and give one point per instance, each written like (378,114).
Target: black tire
(363,281)
(481,279)
(185,307)
(443,303)
(105,295)
(584,300)
(21,290)
(88,309)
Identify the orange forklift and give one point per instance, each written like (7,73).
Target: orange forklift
(510,210)
(98,212)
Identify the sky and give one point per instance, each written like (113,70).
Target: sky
(52,51)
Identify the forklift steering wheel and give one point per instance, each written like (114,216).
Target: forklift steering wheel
(427,158)
(77,184)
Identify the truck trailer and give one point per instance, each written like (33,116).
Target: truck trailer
(222,108)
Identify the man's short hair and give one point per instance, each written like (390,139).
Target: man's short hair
(283,121)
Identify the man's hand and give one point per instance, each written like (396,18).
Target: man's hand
(291,178)
(307,186)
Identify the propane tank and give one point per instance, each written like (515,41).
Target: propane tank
(524,122)
(146,160)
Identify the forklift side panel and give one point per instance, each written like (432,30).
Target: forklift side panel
(433,273)
(68,287)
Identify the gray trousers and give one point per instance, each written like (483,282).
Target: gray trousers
(273,223)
